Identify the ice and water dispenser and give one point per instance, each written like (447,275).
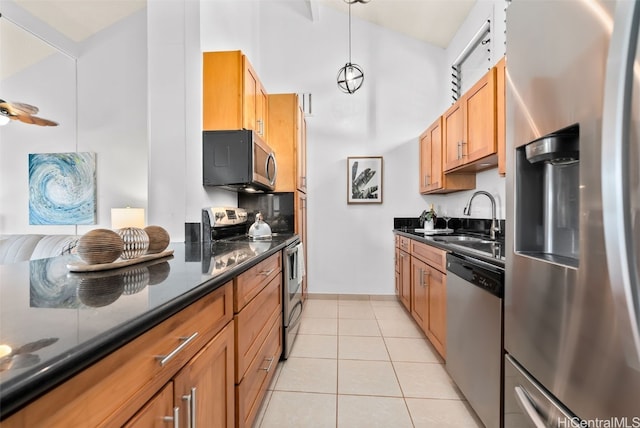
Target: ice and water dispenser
(547,198)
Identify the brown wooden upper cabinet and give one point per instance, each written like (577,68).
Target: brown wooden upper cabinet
(232,95)
(501,130)
(469,128)
(432,177)
(287,131)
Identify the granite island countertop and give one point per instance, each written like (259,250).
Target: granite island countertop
(57,323)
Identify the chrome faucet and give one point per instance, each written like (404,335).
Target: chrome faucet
(494,223)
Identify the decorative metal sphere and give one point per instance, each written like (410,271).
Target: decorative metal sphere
(350,78)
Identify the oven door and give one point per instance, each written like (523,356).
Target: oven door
(292,297)
(293,281)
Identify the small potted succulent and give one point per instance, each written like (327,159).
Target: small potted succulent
(428,218)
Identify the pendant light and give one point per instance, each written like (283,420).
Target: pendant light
(351,76)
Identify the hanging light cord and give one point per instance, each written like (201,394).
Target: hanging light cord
(349,33)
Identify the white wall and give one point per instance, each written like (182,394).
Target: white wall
(101,103)
(351,246)
(405,89)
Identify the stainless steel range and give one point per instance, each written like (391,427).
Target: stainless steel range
(225,238)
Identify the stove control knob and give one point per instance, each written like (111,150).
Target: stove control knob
(220,215)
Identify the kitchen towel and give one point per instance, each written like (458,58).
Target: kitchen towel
(300,261)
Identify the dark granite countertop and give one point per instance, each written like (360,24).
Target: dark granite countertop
(57,322)
(491,253)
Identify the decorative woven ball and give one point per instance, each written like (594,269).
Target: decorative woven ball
(158,272)
(158,239)
(135,280)
(136,242)
(98,291)
(100,246)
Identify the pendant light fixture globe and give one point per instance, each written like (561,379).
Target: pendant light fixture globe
(351,76)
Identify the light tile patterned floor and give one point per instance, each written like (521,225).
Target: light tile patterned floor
(362,363)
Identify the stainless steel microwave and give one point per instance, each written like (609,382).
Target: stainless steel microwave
(238,160)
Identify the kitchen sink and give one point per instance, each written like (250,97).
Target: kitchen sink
(463,238)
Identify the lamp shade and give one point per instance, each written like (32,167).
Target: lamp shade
(127,217)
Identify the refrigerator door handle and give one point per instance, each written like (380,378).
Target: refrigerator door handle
(616,206)
(529,409)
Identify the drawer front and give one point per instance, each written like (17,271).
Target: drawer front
(253,323)
(248,284)
(250,392)
(404,243)
(436,257)
(109,392)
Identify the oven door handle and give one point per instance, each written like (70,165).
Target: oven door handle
(297,312)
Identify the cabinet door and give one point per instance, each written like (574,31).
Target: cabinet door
(425,161)
(419,295)
(405,279)
(249,95)
(436,283)
(501,116)
(302,151)
(453,129)
(157,413)
(480,115)
(262,109)
(204,388)
(301,230)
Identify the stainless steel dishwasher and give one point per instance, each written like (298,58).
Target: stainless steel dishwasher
(474,334)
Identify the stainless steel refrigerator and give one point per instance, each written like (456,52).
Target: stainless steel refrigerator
(573,213)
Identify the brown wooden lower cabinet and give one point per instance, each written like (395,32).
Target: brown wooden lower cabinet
(404,278)
(113,390)
(258,343)
(420,292)
(421,286)
(429,292)
(201,394)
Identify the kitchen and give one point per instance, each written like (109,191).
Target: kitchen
(357,120)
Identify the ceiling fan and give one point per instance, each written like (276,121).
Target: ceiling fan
(22,112)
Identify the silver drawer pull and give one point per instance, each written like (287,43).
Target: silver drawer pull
(175,418)
(269,366)
(193,407)
(266,272)
(164,359)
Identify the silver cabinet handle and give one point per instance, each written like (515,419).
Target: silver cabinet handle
(525,403)
(616,193)
(428,283)
(421,277)
(267,272)
(164,359)
(462,144)
(270,360)
(187,398)
(193,407)
(175,418)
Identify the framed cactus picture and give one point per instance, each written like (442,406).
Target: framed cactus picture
(364,180)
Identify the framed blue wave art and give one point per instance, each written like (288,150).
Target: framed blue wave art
(62,188)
